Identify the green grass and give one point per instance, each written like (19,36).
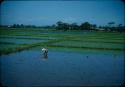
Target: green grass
(61,39)
(90,45)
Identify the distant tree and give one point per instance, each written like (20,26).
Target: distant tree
(120,28)
(106,28)
(14,25)
(74,26)
(22,26)
(62,26)
(85,26)
(59,25)
(100,26)
(111,26)
(119,25)
(94,26)
(65,26)
(18,26)
(53,26)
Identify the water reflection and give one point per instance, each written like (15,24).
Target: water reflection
(45,56)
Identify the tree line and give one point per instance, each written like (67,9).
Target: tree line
(90,27)
(74,26)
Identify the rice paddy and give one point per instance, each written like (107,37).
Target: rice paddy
(74,58)
(13,39)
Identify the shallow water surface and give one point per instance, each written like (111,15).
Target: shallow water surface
(65,68)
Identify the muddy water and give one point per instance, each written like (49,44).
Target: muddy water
(65,68)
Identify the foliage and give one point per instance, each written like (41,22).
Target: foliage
(110,27)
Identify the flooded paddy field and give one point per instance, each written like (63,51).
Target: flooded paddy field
(62,68)
(74,58)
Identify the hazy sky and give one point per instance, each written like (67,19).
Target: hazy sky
(49,12)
